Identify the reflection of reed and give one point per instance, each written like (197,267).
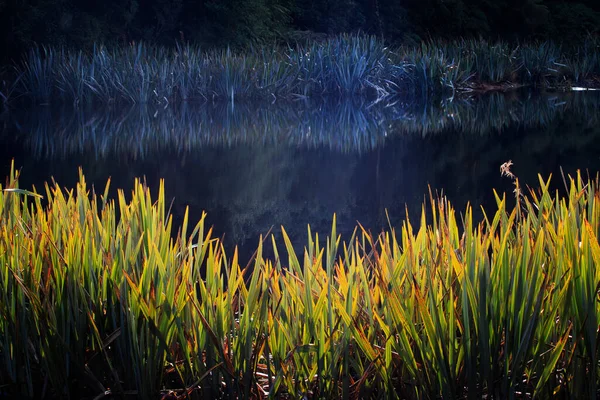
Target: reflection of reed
(496,111)
(348,126)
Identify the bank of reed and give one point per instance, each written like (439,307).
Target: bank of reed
(345,65)
(104,297)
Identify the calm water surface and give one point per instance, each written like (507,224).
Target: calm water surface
(254,167)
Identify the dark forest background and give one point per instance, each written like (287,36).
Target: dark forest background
(238,23)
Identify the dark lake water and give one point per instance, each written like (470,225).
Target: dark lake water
(257,166)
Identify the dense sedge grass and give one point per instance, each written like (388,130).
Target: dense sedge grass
(342,65)
(346,126)
(97,304)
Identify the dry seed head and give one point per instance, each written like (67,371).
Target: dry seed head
(505,169)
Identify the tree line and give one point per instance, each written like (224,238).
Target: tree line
(238,23)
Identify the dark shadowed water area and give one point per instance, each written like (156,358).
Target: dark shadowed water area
(256,166)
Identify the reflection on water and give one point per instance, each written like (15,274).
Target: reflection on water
(348,126)
(254,166)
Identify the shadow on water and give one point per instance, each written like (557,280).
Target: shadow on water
(256,166)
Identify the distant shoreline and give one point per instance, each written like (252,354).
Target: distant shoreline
(344,65)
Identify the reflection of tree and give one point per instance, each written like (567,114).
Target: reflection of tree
(265,187)
(254,185)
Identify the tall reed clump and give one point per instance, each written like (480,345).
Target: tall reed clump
(142,73)
(101,297)
(586,61)
(344,65)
